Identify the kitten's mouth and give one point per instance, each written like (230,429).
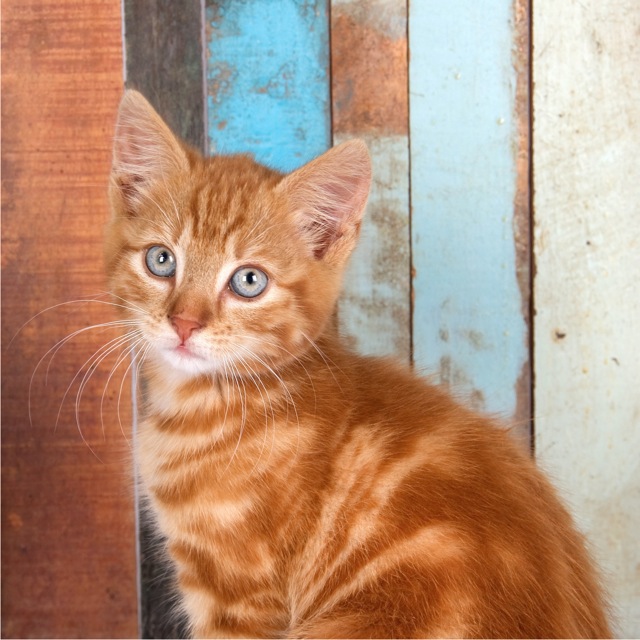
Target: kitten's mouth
(184,352)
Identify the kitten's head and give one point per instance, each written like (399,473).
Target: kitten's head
(222,264)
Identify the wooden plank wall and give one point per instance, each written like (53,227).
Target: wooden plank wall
(441,278)
(68,539)
(587,286)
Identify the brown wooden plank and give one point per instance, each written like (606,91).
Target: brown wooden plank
(68,543)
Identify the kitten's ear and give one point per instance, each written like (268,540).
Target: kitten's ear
(144,149)
(328,196)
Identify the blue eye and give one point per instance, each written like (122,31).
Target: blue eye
(161,261)
(248,282)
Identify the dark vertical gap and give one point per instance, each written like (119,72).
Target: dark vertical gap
(165,60)
(532,257)
(521,60)
(410,202)
(336,312)
(330,70)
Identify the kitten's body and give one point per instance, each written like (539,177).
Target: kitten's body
(305,491)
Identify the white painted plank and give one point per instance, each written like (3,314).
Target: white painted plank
(587,285)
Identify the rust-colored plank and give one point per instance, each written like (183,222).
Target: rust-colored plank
(68,535)
(369,67)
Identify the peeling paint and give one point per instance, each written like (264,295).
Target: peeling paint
(221,76)
(375,304)
(369,91)
(268,80)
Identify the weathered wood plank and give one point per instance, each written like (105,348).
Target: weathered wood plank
(267,79)
(68,540)
(369,93)
(587,248)
(164,60)
(469,212)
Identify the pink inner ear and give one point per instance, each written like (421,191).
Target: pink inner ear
(128,150)
(328,217)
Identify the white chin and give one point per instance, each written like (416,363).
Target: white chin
(189,364)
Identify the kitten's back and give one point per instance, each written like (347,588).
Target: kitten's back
(469,538)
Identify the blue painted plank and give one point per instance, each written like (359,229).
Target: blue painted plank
(267,79)
(468,323)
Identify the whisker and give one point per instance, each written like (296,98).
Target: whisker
(171,223)
(124,377)
(253,378)
(328,362)
(103,326)
(93,363)
(128,304)
(243,402)
(282,383)
(62,304)
(295,358)
(55,348)
(121,358)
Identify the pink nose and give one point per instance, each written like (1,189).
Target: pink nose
(184,326)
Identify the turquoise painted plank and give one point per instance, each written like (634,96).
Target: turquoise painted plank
(468,324)
(267,79)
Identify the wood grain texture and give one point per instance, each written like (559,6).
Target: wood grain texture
(587,247)
(369,94)
(68,543)
(164,60)
(470,311)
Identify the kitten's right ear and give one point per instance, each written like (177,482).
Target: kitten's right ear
(144,150)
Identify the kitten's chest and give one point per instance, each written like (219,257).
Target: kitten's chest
(219,478)
(224,504)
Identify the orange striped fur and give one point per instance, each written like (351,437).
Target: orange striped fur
(303,490)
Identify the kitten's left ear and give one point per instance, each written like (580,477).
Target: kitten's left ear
(144,150)
(328,196)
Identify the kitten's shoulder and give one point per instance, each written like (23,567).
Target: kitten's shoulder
(389,393)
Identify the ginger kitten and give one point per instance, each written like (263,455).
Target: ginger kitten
(303,490)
